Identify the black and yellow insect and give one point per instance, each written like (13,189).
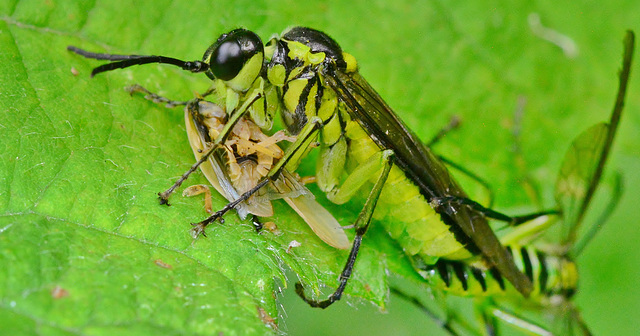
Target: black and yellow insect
(546,248)
(321,97)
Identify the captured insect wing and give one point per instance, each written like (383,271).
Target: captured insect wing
(213,169)
(257,152)
(320,220)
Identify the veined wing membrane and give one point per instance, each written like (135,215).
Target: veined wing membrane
(213,169)
(583,165)
(302,201)
(576,175)
(426,171)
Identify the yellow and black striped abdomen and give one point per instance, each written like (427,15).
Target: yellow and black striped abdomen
(551,275)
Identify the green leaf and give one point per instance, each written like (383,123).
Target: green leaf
(87,249)
(82,229)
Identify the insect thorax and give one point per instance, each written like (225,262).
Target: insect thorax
(296,62)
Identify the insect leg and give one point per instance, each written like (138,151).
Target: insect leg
(233,120)
(257,224)
(512,220)
(489,322)
(493,312)
(471,175)
(604,216)
(453,124)
(154,97)
(531,188)
(158,99)
(361,226)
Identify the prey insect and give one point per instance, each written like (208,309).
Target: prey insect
(244,158)
(546,248)
(324,100)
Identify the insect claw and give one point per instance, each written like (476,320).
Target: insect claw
(198,229)
(163,198)
(314,303)
(257,224)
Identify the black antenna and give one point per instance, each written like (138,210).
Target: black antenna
(125,61)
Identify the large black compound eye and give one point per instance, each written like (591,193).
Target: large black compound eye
(227,60)
(229,55)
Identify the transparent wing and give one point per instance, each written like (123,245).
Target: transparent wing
(213,168)
(577,179)
(319,219)
(584,163)
(424,169)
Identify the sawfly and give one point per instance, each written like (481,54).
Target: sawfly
(316,88)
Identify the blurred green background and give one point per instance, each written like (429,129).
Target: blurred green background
(80,161)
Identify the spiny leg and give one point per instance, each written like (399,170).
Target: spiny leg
(158,99)
(136,88)
(361,226)
(489,213)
